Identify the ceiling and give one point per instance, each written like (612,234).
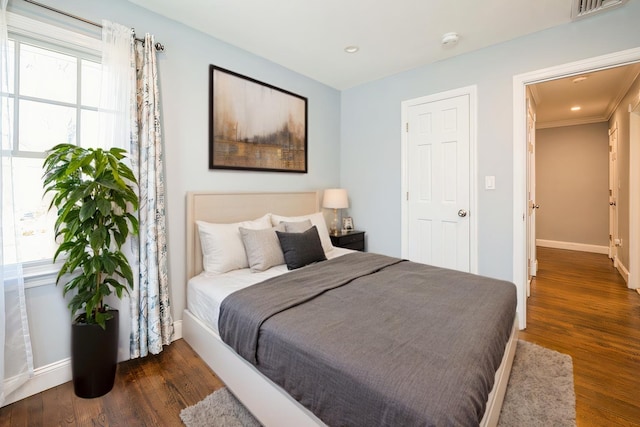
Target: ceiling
(597,96)
(309,37)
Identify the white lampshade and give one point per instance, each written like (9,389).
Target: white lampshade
(335,198)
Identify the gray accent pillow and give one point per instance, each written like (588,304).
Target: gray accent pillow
(262,247)
(297,227)
(301,249)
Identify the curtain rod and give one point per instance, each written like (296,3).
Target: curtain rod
(159,46)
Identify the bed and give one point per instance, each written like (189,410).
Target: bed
(269,402)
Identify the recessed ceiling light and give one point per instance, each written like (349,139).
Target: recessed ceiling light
(580,79)
(576,108)
(351,49)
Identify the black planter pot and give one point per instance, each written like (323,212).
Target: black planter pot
(94,357)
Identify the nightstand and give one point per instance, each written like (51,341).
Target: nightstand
(348,239)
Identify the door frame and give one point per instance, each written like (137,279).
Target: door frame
(472,92)
(532,257)
(614,231)
(520,82)
(634,201)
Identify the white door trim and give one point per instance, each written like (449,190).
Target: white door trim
(519,154)
(613,196)
(634,199)
(473,138)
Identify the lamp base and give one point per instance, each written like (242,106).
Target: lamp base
(333,227)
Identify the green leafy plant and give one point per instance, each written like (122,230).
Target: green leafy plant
(95,200)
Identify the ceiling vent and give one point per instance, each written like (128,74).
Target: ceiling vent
(584,8)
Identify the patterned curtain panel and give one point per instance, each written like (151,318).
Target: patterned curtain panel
(152,326)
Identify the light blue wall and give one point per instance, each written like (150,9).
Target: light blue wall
(371,127)
(184,83)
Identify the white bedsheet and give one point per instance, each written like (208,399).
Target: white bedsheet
(206,291)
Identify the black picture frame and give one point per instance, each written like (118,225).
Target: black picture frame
(254,125)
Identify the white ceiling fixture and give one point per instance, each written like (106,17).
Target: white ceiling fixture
(450,39)
(584,8)
(309,37)
(580,79)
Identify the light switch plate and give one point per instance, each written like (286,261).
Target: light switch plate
(490,182)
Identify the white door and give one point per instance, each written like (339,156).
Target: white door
(532,258)
(613,192)
(437,182)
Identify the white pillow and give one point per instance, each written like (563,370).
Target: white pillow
(222,247)
(316,219)
(262,247)
(297,227)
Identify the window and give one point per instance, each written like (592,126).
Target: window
(53,98)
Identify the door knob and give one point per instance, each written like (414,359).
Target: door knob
(612,203)
(462,213)
(536,206)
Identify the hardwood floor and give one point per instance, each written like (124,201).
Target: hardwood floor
(148,392)
(579,305)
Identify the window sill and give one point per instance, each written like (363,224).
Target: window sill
(42,273)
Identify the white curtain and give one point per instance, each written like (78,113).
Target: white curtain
(137,101)
(16,360)
(117,87)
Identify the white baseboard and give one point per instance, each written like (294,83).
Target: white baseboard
(621,269)
(582,247)
(43,379)
(177,330)
(57,373)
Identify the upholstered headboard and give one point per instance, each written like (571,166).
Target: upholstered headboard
(235,207)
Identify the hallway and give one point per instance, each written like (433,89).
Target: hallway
(579,305)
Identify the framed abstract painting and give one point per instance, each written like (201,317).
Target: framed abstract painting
(254,125)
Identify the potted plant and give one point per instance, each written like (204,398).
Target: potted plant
(95,200)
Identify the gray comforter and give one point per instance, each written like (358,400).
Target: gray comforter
(365,339)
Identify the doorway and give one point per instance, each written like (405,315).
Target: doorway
(521,200)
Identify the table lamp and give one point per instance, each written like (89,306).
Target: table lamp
(335,198)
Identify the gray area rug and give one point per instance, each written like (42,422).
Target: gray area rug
(540,390)
(540,393)
(219,409)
